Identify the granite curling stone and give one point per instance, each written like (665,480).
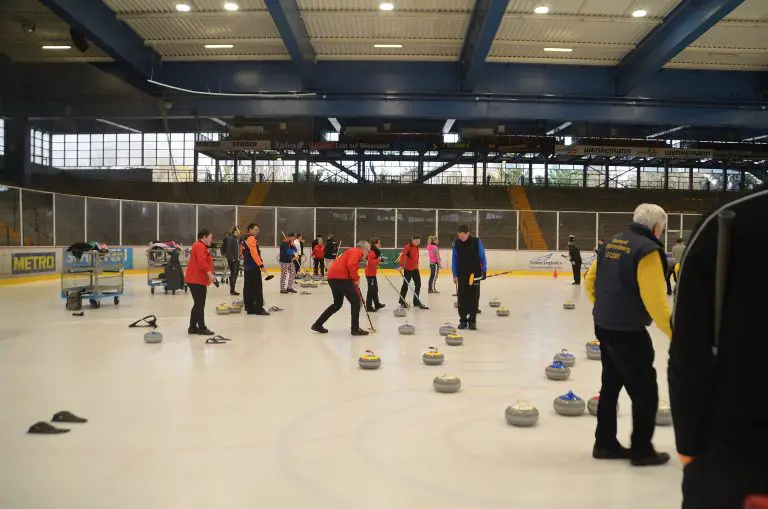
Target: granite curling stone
(495,303)
(153,337)
(446,383)
(454,339)
(433,357)
(569,405)
(222,309)
(522,414)
(369,360)
(664,414)
(447,329)
(407,329)
(557,371)
(569,305)
(305,284)
(567,358)
(592,405)
(400,312)
(236,307)
(502,312)
(593,350)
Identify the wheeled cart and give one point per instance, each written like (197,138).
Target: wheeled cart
(165,268)
(96,276)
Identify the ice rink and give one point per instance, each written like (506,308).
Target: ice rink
(283,418)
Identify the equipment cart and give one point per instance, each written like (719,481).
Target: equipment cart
(220,264)
(160,261)
(95,276)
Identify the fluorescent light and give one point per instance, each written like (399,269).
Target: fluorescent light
(57,47)
(231,6)
(559,50)
(387,45)
(559,128)
(450,137)
(640,13)
(667,131)
(386,6)
(330,136)
(542,9)
(336,125)
(448,125)
(756,138)
(119,126)
(219,46)
(183,7)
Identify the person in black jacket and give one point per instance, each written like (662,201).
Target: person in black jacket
(574,255)
(718,407)
(331,250)
(230,248)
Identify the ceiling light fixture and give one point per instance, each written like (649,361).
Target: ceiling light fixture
(559,50)
(219,46)
(387,45)
(57,47)
(640,13)
(541,9)
(386,6)
(231,6)
(183,7)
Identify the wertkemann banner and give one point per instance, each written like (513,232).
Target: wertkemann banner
(650,152)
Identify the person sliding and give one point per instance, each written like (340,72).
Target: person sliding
(372,303)
(344,280)
(409,261)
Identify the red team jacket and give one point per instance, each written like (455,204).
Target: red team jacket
(347,265)
(373,264)
(199,265)
(409,258)
(318,252)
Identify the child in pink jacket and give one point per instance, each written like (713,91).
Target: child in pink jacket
(434,263)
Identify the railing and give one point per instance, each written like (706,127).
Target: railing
(52,219)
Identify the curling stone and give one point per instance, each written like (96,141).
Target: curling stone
(447,329)
(454,339)
(304,284)
(314,285)
(557,371)
(407,329)
(369,360)
(236,307)
(593,350)
(222,309)
(569,404)
(592,405)
(495,303)
(153,337)
(400,312)
(664,414)
(502,312)
(522,414)
(433,357)
(446,383)
(567,358)
(569,305)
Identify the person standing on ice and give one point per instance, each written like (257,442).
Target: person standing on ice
(409,261)
(574,255)
(469,265)
(628,291)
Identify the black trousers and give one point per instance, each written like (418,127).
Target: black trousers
(341,289)
(721,479)
(197,316)
(670,275)
(253,296)
(319,264)
(415,276)
(469,299)
(297,265)
(627,359)
(372,297)
(234,271)
(576,272)
(434,272)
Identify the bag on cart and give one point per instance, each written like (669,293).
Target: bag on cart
(174,275)
(74,300)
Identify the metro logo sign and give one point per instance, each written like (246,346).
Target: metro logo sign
(33,263)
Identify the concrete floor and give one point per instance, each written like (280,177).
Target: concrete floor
(283,418)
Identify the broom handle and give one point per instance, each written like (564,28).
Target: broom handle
(724,228)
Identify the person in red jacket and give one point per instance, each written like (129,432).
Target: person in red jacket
(318,256)
(199,276)
(372,303)
(344,280)
(409,261)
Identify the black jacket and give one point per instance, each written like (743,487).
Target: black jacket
(330,249)
(230,247)
(720,401)
(574,253)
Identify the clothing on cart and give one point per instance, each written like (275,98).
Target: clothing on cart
(174,274)
(78,248)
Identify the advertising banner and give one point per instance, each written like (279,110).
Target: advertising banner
(234,145)
(33,263)
(649,152)
(117,256)
(545,262)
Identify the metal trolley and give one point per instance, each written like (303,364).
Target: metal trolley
(157,260)
(95,276)
(220,263)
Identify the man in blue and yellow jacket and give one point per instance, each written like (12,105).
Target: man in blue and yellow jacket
(628,290)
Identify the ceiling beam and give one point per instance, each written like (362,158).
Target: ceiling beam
(437,171)
(345,170)
(481,32)
(99,25)
(287,18)
(686,23)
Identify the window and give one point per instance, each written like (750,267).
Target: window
(2,136)
(41,147)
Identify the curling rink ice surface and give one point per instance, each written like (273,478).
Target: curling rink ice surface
(283,418)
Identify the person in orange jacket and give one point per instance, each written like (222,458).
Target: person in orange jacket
(372,303)
(198,277)
(344,280)
(409,261)
(253,295)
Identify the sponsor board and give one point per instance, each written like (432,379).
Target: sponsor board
(234,145)
(538,261)
(33,263)
(117,256)
(650,152)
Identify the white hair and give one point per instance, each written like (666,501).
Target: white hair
(649,215)
(363,244)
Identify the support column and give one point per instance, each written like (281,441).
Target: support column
(420,167)
(742,180)
(18,147)
(474,175)
(638,177)
(217,175)
(690,179)
(546,173)
(235,168)
(530,174)
(195,165)
(296,169)
(253,169)
(666,176)
(485,169)
(584,177)
(725,176)
(607,175)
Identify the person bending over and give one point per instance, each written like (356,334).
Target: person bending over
(628,292)
(253,296)
(409,261)
(198,277)
(468,265)
(344,281)
(372,303)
